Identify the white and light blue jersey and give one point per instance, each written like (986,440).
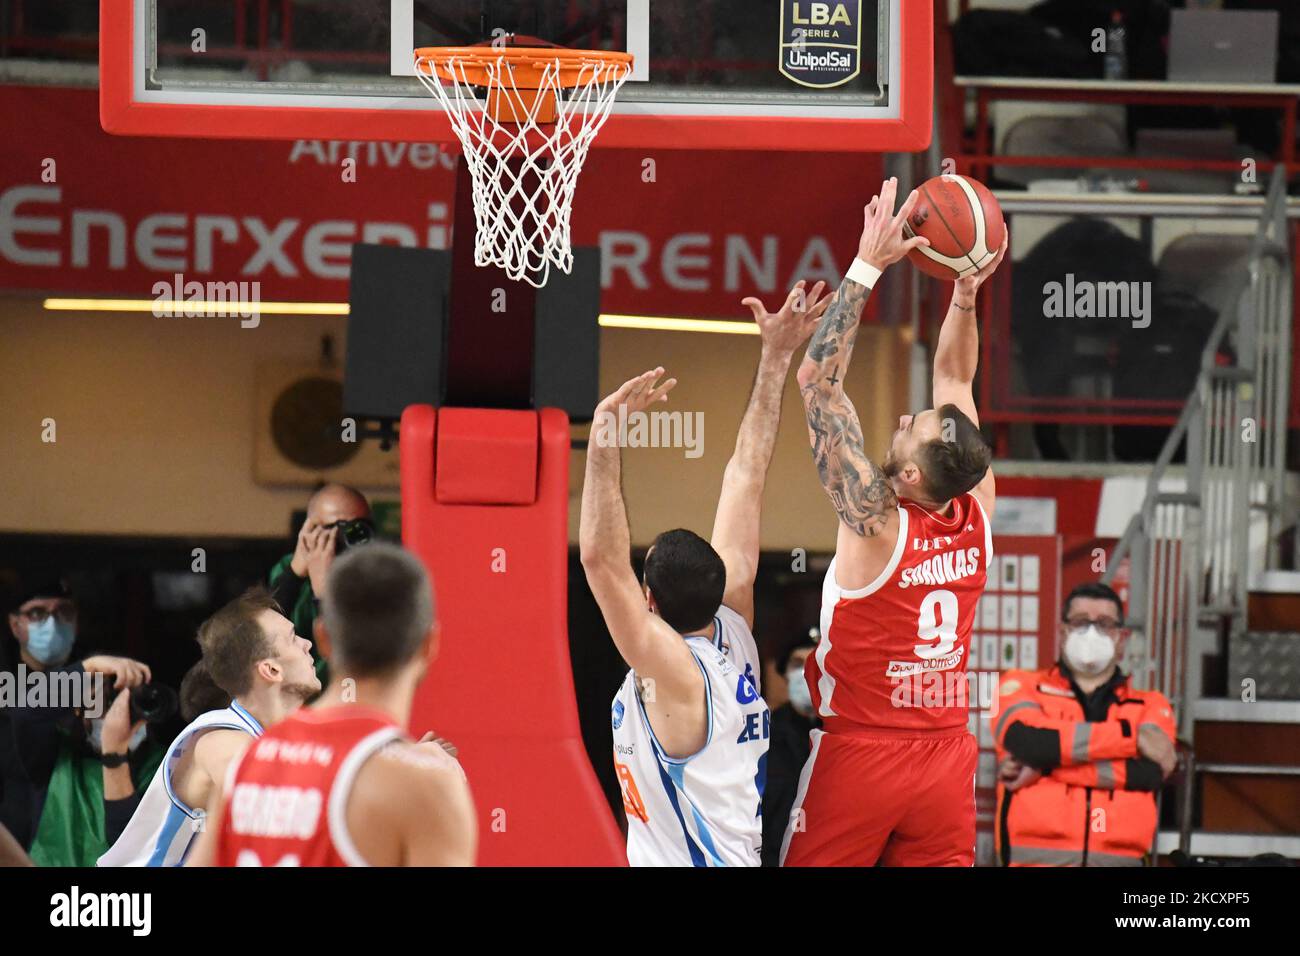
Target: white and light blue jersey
(705,809)
(163,827)
(738,644)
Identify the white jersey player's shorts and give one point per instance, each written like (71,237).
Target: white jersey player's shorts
(163,828)
(705,809)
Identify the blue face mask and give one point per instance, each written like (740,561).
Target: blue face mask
(50,641)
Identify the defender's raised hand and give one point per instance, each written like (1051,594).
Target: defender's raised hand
(883,243)
(787,330)
(639,393)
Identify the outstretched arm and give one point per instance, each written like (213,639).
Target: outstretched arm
(736,526)
(859,491)
(651,648)
(956,358)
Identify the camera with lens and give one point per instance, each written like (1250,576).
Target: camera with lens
(153,703)
(353,533)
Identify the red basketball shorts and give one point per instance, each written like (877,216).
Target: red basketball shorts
(894,799)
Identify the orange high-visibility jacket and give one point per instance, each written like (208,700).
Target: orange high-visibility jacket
(1095,804)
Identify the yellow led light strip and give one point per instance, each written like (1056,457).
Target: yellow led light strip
(641,322)
(167,305)
(660,324)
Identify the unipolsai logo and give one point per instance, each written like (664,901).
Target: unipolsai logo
(821,42)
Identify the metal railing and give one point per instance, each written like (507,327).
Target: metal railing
(1191,552)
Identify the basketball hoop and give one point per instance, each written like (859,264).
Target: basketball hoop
(525,118)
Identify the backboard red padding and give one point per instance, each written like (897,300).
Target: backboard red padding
(486,457)
(502,687)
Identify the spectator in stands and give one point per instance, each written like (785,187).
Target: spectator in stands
(788,746)
(1082,753)
(73,765)
(338,517)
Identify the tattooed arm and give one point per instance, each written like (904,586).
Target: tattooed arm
(859,491)
(736,525)
(862,496)
(671,683)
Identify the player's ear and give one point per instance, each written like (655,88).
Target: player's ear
(269,670)
(321,636)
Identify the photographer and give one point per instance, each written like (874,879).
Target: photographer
(51,753)
(103,767)
(338,517)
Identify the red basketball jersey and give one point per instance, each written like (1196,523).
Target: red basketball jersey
(287,798)
(894,654)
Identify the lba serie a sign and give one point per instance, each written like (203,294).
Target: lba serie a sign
(821,42)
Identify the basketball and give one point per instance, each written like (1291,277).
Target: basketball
(963,222)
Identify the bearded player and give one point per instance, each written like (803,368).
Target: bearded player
(891,774)
(690,727)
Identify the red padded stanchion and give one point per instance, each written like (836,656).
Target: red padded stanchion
(502,688)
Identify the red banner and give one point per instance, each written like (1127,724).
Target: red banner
(681,233)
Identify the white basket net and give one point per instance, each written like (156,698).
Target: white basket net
(524,171)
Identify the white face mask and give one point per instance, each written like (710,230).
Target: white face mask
(1088,651)
(800,696)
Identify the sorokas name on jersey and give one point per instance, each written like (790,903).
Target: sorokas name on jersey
(942,568)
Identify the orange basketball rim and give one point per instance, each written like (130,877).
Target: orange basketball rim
(525,118)
(539,70)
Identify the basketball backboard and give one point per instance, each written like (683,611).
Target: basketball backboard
(830,75)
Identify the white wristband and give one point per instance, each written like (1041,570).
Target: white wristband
(863,273)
